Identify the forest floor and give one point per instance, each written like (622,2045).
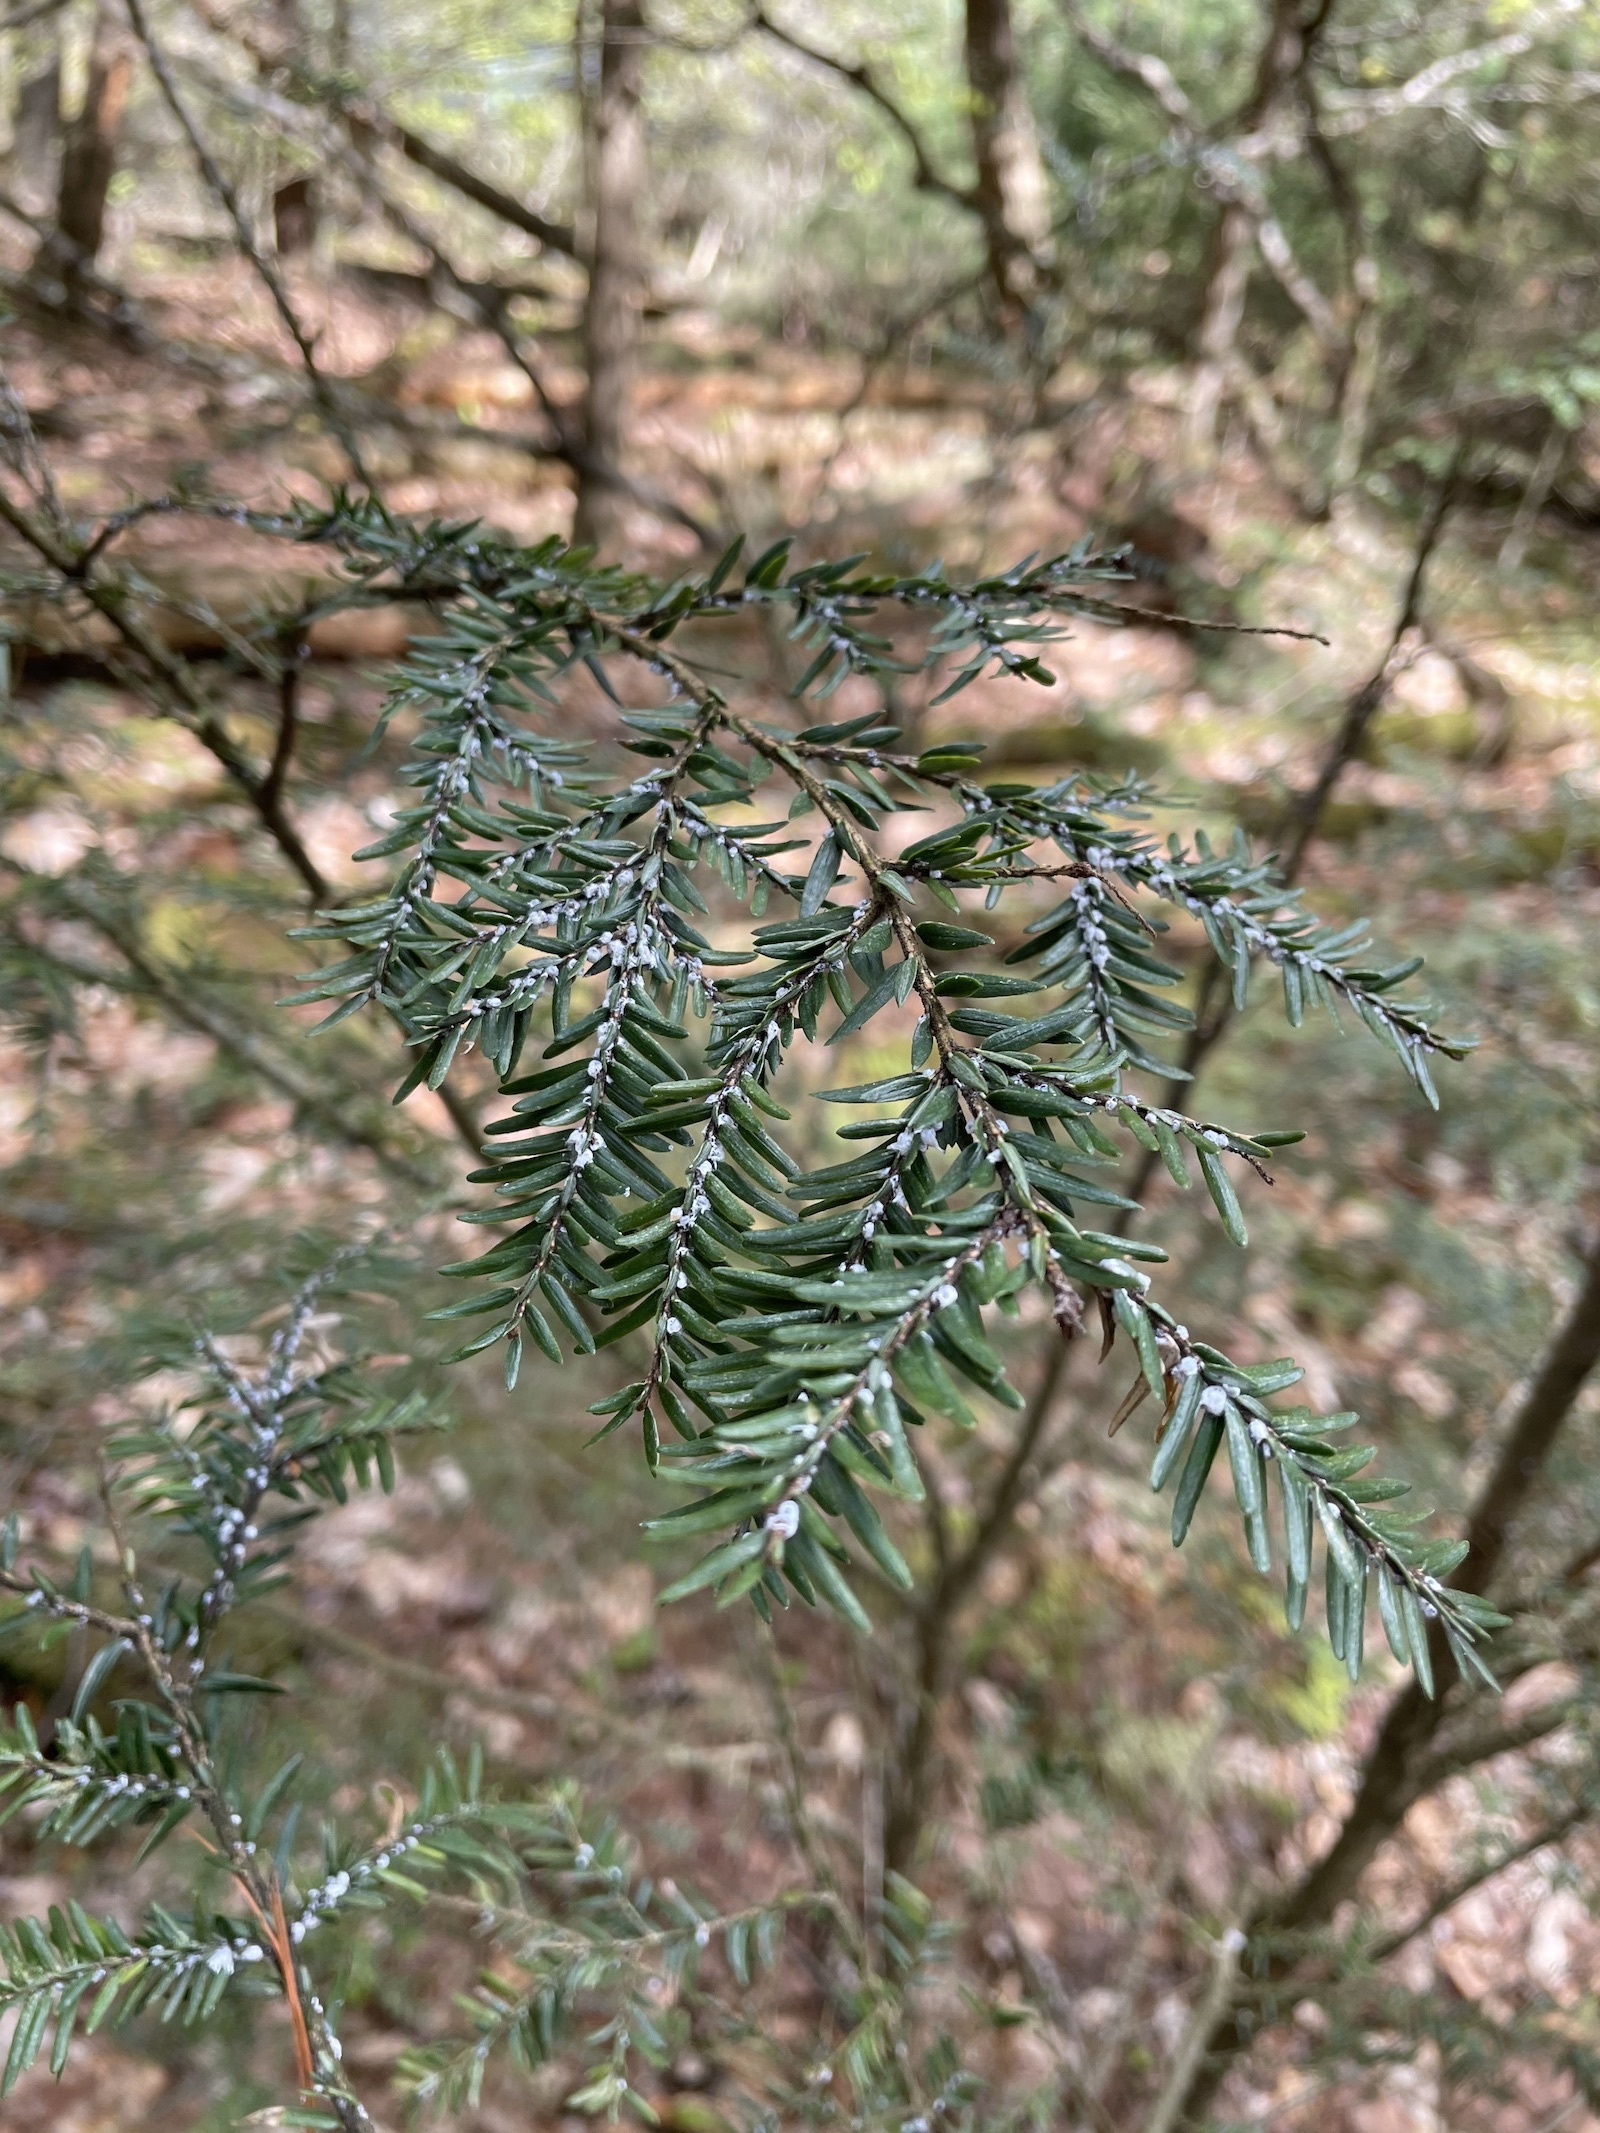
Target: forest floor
(1092,1840)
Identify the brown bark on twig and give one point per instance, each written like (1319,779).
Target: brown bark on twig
(294,217)
(1224,157)
(309,1093)
(1170,2107)
(293,649)
(1221,313)
(1414,1718)
(1357,375)
(1010,196)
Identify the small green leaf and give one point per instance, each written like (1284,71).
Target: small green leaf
(1176,1433)
(937,933)
(718,1564)
(1207,1438)
(824,872)
(1220,1187)
(95,1675)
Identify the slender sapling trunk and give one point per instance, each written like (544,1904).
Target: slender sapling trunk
(611,318)
(1011,192)
(89,153)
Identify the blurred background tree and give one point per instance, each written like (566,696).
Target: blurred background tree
(1296,300)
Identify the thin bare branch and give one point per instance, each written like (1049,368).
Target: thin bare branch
(1429,87)
(187,1003)
(266,271)
(1369,699)
(1150,73)
(1454,1892)
(292,654)
(175,685)
(925,174)
(367,116)
(1168,2111)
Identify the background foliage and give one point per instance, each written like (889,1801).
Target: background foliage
(803,1030)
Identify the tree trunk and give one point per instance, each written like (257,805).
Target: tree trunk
(611,319)
(37,132)
(1360,379)
(912,1771)
(1534,499)
(294,216)
(1284,53)
(1217,336)
(89,151)
(1012,195)
(936,1641)
(1392,1780)
(295,204)
(1357,377)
